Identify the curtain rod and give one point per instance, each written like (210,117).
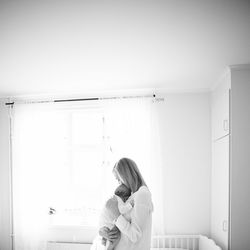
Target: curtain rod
(80,99)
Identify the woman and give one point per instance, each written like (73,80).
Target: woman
(135,228)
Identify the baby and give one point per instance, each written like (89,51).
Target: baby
(114,206)
(122,194)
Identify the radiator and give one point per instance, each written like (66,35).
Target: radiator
(68,246)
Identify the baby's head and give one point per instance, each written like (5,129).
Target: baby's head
(123,192)
(111,210)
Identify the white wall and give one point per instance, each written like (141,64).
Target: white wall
(186,143)
(5,243)
(240,151)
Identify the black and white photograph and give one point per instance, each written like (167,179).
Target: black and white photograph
(124,124)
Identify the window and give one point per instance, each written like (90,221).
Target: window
(85,145)
(63,158)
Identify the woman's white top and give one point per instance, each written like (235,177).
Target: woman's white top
(136,226)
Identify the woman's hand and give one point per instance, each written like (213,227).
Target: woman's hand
(114,234)
(108,234)
(104,232)
(132,202)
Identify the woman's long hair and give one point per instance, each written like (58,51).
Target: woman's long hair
(128,171)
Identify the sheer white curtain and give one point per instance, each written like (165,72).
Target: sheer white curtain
(36,160)
(156,170)
(43,162)
(134,132)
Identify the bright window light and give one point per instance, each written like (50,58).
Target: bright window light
(63,159)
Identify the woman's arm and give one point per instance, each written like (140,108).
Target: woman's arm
(142,210)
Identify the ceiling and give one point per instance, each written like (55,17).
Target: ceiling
(74,46)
